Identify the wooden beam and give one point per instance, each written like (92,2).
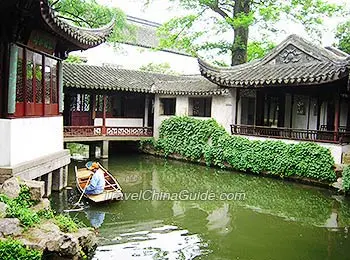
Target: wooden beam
(104,114)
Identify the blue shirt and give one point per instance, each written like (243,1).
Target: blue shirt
(97,183)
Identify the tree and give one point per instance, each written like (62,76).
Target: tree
(163,68)
(90,14)
(343,36)
(235,18)
(75,59)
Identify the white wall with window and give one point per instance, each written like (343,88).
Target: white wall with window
(220,108)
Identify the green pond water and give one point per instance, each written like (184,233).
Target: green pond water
(206,213)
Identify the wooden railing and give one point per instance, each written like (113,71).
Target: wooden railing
(82,131)
(129,131)
(88,131)
(294,134)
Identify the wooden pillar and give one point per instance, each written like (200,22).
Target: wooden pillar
(308,113)
(291,111)
(336,116)
(93,112)
(104,152)
(145,119)
(318,113)
(43,93)
(11,99)
(237,102)
(48,184)
(104,114)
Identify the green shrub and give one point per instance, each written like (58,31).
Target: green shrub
(24,197)
(20,207)
(346,178)
(27,216)
(46,214)
(13,249)
(207,140)
(67,224)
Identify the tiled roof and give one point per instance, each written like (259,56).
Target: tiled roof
(83,38)
(146,35)
(294,62)
(188,86)
(111,78)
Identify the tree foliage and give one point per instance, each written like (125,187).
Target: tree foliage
(90,14)
(163,68)
(234,18)
(343,36)
(75,59)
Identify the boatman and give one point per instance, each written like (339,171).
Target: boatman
(97,182)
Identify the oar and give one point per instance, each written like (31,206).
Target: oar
(81,196)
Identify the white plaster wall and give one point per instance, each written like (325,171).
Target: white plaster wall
(222,110)
(181,106)
(120,122)
(5,142)
(336,149)
(158,119)
(27,139)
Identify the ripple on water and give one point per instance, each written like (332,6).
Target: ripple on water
(165,242)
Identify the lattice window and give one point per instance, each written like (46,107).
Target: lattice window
(73,103)
(19,82)
(38,60)
(54,82)
(30,76)
(47,75)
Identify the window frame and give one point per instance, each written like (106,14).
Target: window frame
(163,107)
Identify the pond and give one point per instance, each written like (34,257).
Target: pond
(176,210)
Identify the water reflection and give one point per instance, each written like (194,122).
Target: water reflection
(274,220)
(96,218)
(166,242)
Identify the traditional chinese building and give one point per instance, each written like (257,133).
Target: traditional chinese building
(105,104)
(298,92)
(33,43)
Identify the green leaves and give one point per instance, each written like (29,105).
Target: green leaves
(343,36)
(206,140)
(346,178)
(11,249)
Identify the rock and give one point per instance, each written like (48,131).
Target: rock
(3,208)
(44,204)
(11,188)
(87,239)
(10,226)
(48,237)
(36,188)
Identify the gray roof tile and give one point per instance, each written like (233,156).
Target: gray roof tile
(294,62)
(110,78)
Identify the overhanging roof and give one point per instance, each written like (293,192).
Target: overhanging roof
(83,38)
(294,62)
(82,76)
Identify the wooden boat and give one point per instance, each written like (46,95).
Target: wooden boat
(112,190)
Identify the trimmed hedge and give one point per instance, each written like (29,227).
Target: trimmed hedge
(346,178)
(206,140)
